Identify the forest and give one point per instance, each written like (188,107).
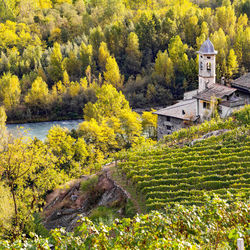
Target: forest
(56,54)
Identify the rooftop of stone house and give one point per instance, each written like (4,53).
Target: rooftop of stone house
(242,82)
(185,110)
(207,48)
(217,90)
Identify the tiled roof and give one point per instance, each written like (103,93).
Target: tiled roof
(216,90)
(207,48)
(242,82)
(185,110)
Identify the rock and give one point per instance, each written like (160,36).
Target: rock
(213,133)
(64,207)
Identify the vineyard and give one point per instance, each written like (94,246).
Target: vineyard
(187,174)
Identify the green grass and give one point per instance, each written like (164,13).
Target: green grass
(137,199)
(103,214)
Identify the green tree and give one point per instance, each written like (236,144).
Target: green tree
(55,68)
(86,55)
(133,55)
(95,38)
(164,67)
(176,50)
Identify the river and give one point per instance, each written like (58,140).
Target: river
(40,129)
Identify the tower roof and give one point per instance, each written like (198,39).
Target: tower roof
(207,48)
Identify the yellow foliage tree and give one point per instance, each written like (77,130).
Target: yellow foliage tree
(38,95)
(112,74)
(10,90)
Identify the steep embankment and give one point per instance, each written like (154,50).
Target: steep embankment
(65,206)
(185,174)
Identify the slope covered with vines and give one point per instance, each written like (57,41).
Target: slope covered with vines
(187,173)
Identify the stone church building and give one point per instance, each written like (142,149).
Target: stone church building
(196,105)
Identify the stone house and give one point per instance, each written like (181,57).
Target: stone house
(197,105)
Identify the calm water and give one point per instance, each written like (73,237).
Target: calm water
(40,129)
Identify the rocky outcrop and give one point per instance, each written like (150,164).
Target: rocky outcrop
(212,133)
(65,206)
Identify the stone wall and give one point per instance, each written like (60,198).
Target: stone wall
(164,123)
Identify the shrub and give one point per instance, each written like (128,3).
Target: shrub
(89,184)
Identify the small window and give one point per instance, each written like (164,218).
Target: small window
(183,112)
(201,56)
(168,118)
(209,66)
(208,57)
(206,105)
(168,127)
(201,65)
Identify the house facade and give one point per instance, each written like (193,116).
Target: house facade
(197,105)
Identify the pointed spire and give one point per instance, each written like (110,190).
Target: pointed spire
(207,48)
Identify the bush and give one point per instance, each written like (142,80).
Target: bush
(89,184)
(103,214)
(243,115)
(130,210)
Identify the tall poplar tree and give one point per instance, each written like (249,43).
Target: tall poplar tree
(55,69)
(112,74)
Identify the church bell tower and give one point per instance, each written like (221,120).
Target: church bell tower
(207,65)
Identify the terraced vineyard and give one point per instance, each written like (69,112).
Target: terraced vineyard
(186,174)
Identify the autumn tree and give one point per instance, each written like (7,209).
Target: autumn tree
(86,55)
(112,74)
(164,67)
(133,54)
(149,124)
(112,110)
(38,95)
(232,64)
(71,153)
(3,132)
(103,55)
(10,90)
(177,50)
(28,170)
(56,69)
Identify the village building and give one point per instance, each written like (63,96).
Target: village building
(197,105)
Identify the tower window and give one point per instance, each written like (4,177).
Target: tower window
(201,65)
(209,66)
(183,112)
(208,57)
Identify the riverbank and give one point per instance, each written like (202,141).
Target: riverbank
(44,119)
(71,117)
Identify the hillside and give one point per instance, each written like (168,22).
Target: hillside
(188,172)
(197,180)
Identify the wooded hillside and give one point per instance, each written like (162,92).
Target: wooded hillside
(55,54)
